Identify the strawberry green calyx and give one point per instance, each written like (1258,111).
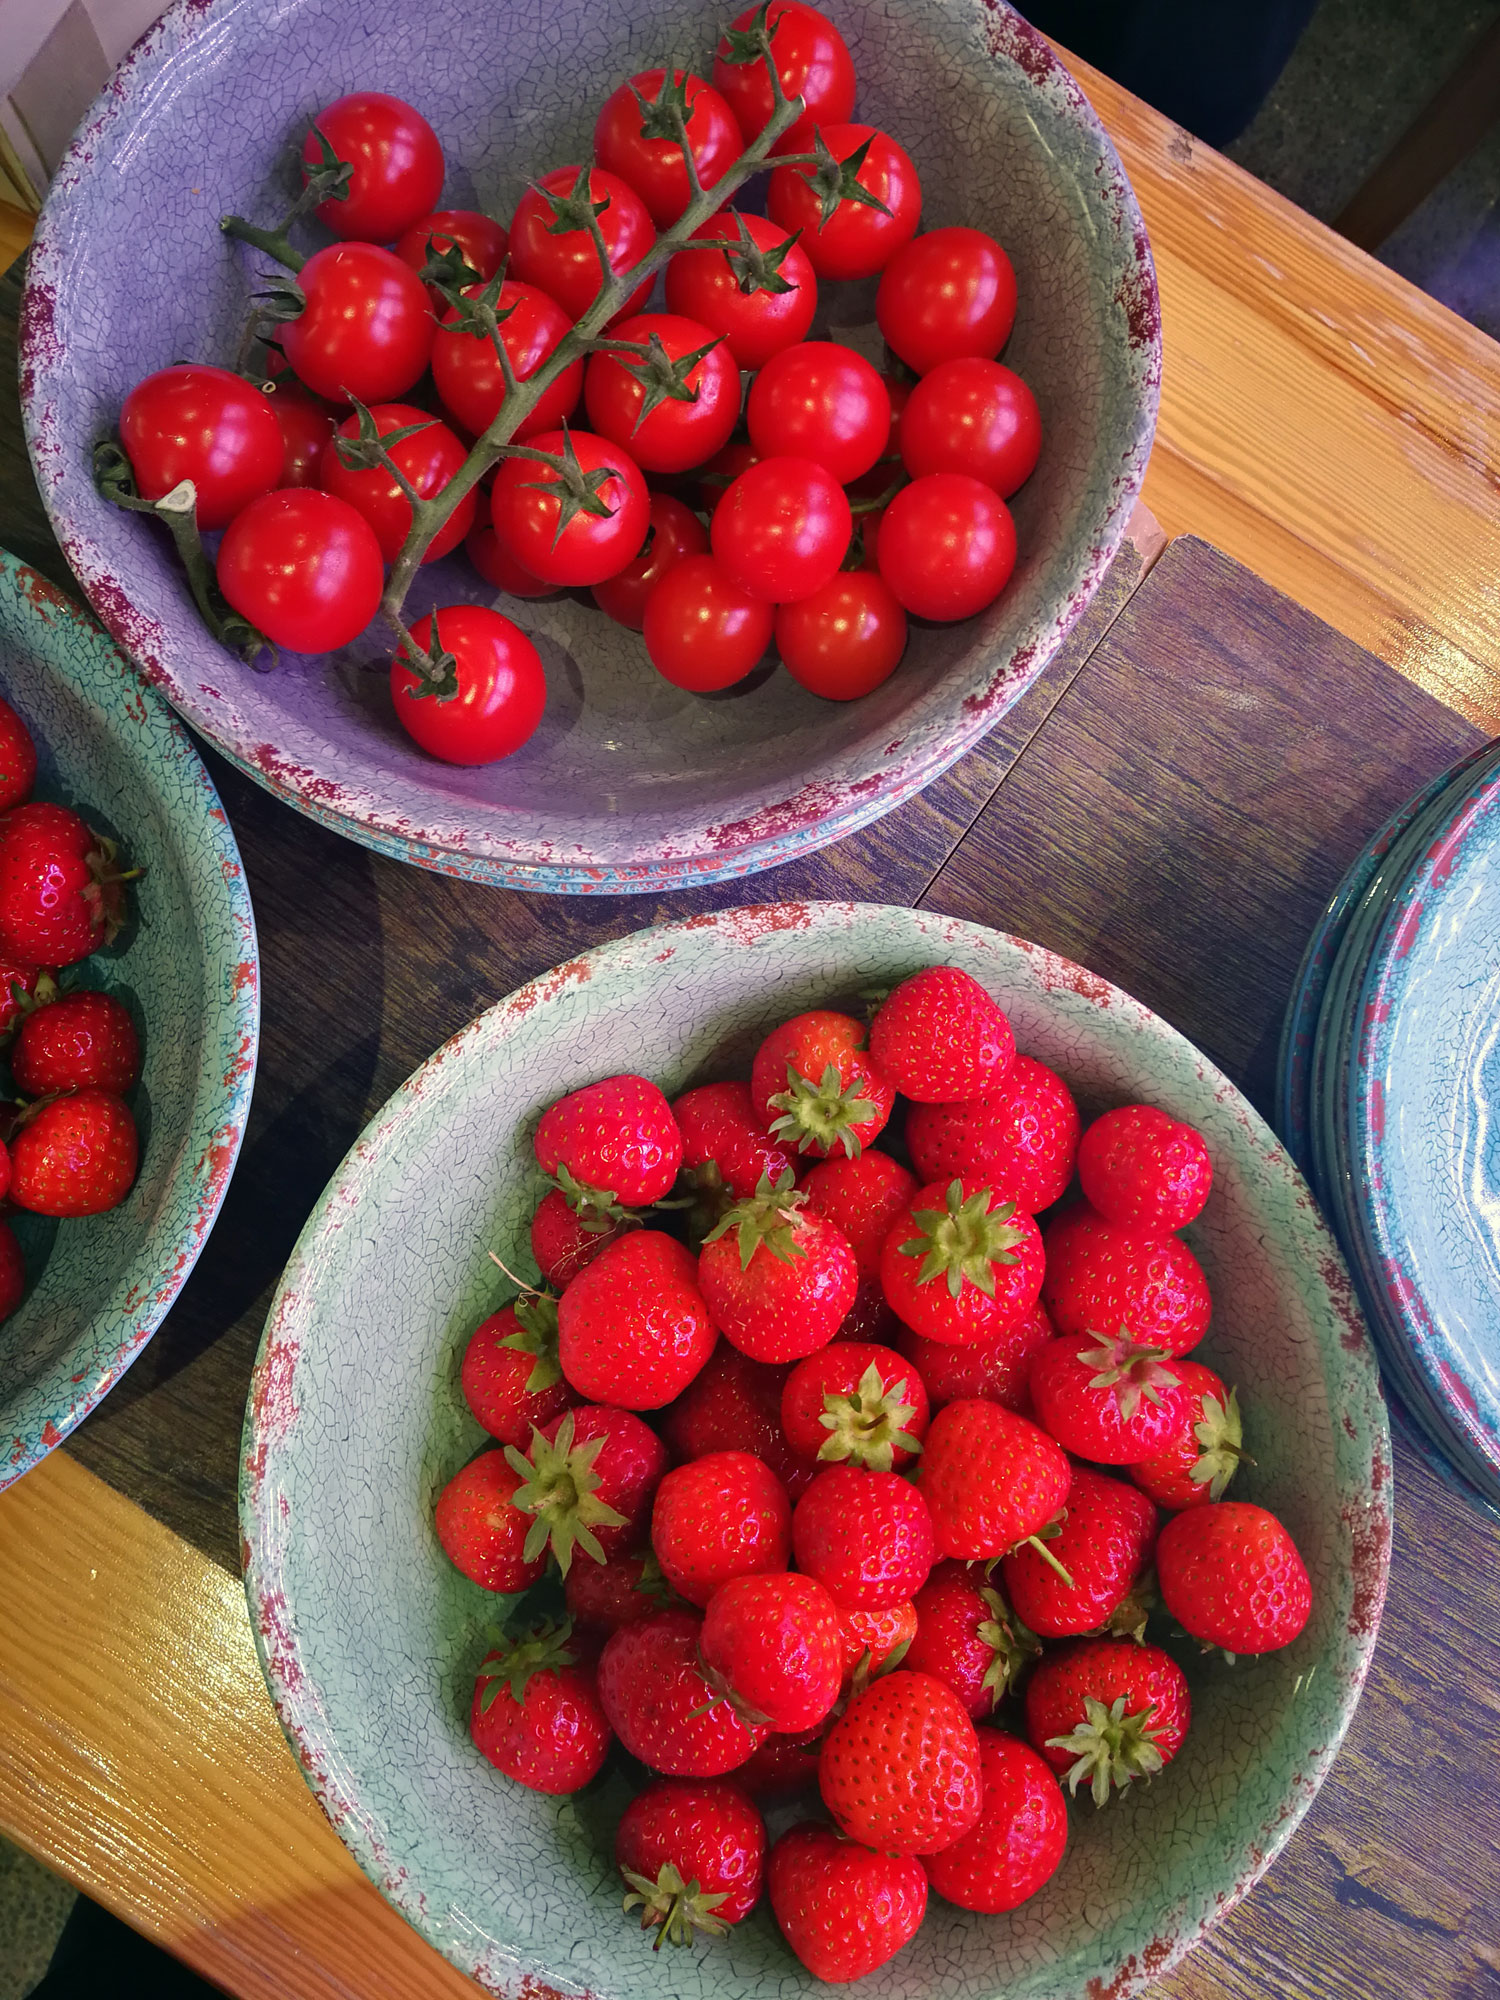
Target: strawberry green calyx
(1128,1619)
(679,1909)
(866,1669)
(1132,1370)
(1111,1748)
(597,1209)
(651,1583)
(823,1114)
(964,1239)
(1039,1542)
(511,1662)
(558,1488)
(867,1426)
(1015,1646)
(772,1216)
(1221,1437)
(536,1320)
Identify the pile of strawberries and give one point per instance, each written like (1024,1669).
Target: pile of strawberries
(892,1379)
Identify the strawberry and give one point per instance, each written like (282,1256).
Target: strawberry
(536,1713)
(568,1232)
(1231,1576)
(61,895)
(1107,1399)
(865,1536)
(725,1145)
(1144,1170)
(1020,1140)
(870,1317)
(662,1709)
(998,1370)
(968,1637)
(843,1910)
(693,1857)
(481,1533)
(1202,1455)
(718,1517)
(861,1198)
(734,1404)
(510,1375)
(17,758)
(1018,1841)
(617,1139)
(781,1767)
(18,983)
(777,1280)
(991,1479)
(12,1270)
(814,1087)
(900,1768)
(870,1639)
(939,1037)
(74,1155)
(589,1481)
(1107,1711)
(771,1643)
(960,1264)
(855,1402)
(74,1041)
(1102,1276)
(601,1597)
(1104,1543)
(632,1328)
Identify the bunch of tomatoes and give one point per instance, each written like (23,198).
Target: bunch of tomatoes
(737,482)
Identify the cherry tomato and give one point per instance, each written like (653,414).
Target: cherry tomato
(722,470)
(675,532)
(973,416)
(494,562)
(813,62)
(782,529)
(702,631)
(366,329)
(654,167)
(429,459)
(676,433)
(203,424)
(948,294)
(499,698)
(856,241)
(566,267)
(735,294)
(947,545)
(845,639)
(824,402)
(480,241)
(304,568)
(397,162)
(527,505)
(467,370)
(306,425)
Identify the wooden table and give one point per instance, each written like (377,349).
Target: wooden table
(1335,432)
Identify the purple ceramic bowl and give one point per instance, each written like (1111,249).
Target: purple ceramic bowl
(629,784)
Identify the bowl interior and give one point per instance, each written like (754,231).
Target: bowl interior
(370,1639)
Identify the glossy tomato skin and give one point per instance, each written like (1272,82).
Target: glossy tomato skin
(480,240)
(366,329)
(948,295)
(722,470)
(502,689)
(494,561)
(782,529)
(813,62)
(702,631)
(856,241)
(845,639)
(821,401)
(429,459)
(566,267)
(525,512)
(397,161)
(702,285)
(655,168)
(947,546)
(304,568)
(207,425)
(675,435)
(973,416)
(675,532)
(467,369)
(306,424)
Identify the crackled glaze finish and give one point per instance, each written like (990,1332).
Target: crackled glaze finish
(186,966)
(629,784)
(369,1638)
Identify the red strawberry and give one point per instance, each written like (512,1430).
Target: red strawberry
(815,1088)
(601,1597)
(1104,1543)
(1102,1277)
(481,1533)
(617,1140)
(18,982)
(861,1198)
(998,1370)
(968,1637)
(17,758)
(991,1479)
(777,1279)
(1020,1140)
(660,1706)
(772,1644)
(589,1479)
(843,1910)
(1107,1399)
(718,1517)
(73,1041)
(960,1264)
(1202,1455)
(536,1714)
(1018,1841)
(871,1638)
(734,1404)
(940,1037)
(76,1155)
(1231,1576)
(632,1329)
(510,1375)
(900,1768)
(1107,1711)
(61,895)
(693,1857)
(725,1146)
(565,1236)
(855,1402)
(865,1536)
(1144,1170)
(870,1317)
(12,1270)
(781,1767)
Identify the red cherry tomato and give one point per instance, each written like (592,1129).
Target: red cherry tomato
(675,532)
(366,329)
(675,434)
(782,529)
(203,424)
(813,62)
(856,241)
(467,369)
(845,639)
(735,294)
(948,294)
(304,568)
(654,167)
(306,426)
(480,241)
(973,416)
(702,631)
(397,162)
(824,402)
(947,546)
(527,504)
(722,470)
(566,266)
(494,562)
(499,698)
(429,459)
